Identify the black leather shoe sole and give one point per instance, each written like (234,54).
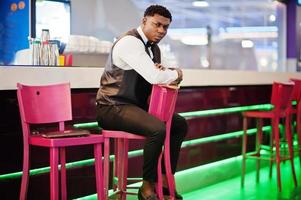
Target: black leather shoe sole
(177,195)
(152,197)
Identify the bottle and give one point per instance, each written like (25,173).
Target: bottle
(53,53)
(44,53)
(36,45)
(45,35)
(35,51)
(45,49)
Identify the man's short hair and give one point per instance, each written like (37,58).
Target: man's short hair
(157,9)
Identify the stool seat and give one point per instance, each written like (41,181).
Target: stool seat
(262,114)
(121,134)
(65,142)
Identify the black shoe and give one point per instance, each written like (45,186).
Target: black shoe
(166,193)
(151,197)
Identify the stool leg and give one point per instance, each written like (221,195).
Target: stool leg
(124,167)
(258,144)
(54,182)
(106,173)
(98,171)
(159,178)
(25,175)
(244,150)
(288,131)
(63,173)
(169,175)
(276,128)
(299,142)
(272,135)
(115,164)
(120,163)
(299,130)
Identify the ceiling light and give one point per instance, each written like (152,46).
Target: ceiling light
(244,29)
(200,3)
(263,62)
(204,62)
(194,40)
(248,35)
(247,43)
(272,18)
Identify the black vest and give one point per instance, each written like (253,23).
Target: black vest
(118,86)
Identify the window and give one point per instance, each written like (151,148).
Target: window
(226,34)
(55,16)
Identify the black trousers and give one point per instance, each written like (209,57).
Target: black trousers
(133,119)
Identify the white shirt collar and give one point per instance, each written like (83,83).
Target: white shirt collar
(144,38)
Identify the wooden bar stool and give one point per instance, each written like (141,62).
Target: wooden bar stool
(281,100)
(162,105)
(52,104)
(296,110)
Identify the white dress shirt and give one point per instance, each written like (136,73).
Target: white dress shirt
(129,53)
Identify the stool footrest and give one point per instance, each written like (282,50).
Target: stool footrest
(123,192)
(261,157)
(115,179)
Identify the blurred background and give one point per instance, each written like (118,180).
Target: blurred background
(207,34)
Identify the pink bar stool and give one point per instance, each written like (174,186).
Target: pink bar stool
(162,105)
(281,100)
(296,110)
(52,104)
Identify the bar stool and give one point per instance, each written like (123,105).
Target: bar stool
(162,105)
(281,100)
(52,104)
(296,110)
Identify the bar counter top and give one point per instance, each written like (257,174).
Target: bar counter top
(88,77)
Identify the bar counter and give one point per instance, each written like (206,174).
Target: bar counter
(88,77)
(216,97)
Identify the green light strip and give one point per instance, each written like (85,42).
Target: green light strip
(134,153)
(44,170)
(205,113)
(216,138)
(89,125)
(200,113)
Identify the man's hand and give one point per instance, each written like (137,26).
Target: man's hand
(159,66)
(180,76)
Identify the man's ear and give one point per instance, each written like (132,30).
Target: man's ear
(144,19)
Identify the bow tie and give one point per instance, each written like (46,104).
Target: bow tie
(149,44)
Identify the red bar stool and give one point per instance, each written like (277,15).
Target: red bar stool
(281,100)
(162,105)
(52,104)
(296,110)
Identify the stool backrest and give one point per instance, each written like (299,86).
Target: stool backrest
(44,104)
(163,102)
(282,96)
(296,95)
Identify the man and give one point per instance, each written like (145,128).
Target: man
(133,66)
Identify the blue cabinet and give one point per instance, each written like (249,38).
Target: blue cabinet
(14,28)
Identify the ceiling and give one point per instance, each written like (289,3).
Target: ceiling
(218,13)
